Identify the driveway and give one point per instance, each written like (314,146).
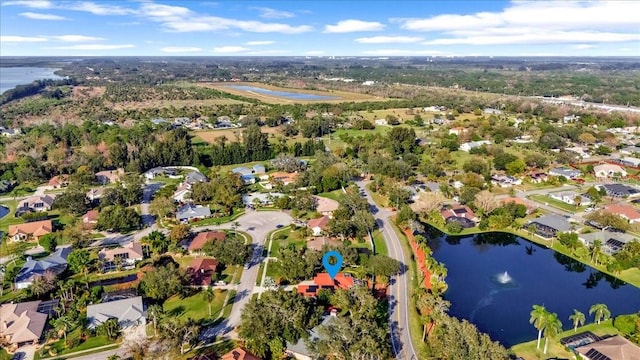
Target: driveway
(25,353)
(258,224)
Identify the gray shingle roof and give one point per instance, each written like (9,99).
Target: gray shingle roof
(553,221)
(127,311)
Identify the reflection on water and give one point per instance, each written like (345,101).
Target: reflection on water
(495,278)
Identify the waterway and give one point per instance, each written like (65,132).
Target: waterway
(11,77)
(282,94)
(495,278)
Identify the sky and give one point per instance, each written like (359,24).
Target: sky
(319,28)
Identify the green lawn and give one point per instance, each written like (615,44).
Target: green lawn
(544,199)
(528,350)
(194,307)
(9,219)
(380,243)
(4,355)
(336,195)
(219,220)
(60,348)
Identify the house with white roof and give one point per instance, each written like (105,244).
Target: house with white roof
(128,312)
(473,144)
(609,170)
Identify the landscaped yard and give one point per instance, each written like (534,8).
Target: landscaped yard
(556,350)
(195,307)
(60,348)
(544,199)
(336,195)
(219,220)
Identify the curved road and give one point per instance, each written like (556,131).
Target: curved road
(398,294)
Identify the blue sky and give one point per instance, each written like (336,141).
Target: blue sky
(320,28)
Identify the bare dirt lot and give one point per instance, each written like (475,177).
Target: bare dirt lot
(210,136)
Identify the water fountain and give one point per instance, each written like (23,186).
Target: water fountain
(504,278)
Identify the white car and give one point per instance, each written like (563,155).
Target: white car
(589,209)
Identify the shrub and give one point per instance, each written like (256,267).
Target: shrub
(627,324)
(453,227)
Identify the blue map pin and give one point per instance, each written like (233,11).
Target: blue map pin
(332,269)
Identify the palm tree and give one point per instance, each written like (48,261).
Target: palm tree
(155,312)
(209,295)
(577,318)
(552,328)
(538,319)
(63,323)
(432,308)
(596,250)
(600,311)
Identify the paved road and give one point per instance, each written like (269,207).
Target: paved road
(258,224)
(577,217)
(398,294)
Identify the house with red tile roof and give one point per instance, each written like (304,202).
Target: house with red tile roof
(625,211)
(58,181)
(201,270)
(35,229)
(323,281)
(239,354)
(318,225)
(90,219)
(284,177)
(204,237)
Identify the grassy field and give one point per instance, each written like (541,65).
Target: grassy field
(336,195)
(380,243)
(555,350)
(210,136)
(195,307)
(340,96)
(159,104)
(544,199)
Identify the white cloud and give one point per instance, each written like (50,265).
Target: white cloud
(97,9)
(259,43)
(543,37)
(180,49)
(93,47)
(182,19)
(351,25)
(34,4)
(535,22)
(12,38)
(389,39)
(40,16)
(583,46)
(229,49)
(269,13)
(77,38)
(403,52)
(314,52)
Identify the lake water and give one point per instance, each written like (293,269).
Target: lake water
(282,94)
(4,211)
(11,77)
(499,304)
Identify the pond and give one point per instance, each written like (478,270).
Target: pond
(282,94)
(495,278)
(4,211)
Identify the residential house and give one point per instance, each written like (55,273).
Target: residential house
(201,271)
(183,189)
(125,256)
(580,151)
(54,264)
(461,214)
(10,132)
(324,281)
(627,161)
(619,190)
(248,175)
(159,121)
(468,146)
(319,225)
(95,194)
(129,312)
(299,350)
(611,348)
(326,206)
(538,177)
(569,197)
(36,203)
(548,226)
(570,118)
(6,186)
(627,212)
(109,176)
(22,323)
(204,237)
(609,170)
(611,242)
(90,219)
(458,131)
(505,181)
(239,354)
(630,150)
(160,171)
(58,181)
(191,212)
(567,173)
(381,122)
(491,111)
(195,177)
(261,199)
(36,229)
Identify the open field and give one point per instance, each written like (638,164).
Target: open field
(159,104)
(210,136)
(342,96)
(194,307)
